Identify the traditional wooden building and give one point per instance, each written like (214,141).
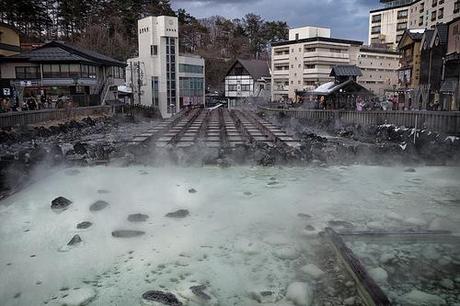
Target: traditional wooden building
(248,79)
(409,73)
(450,87)
(343,93)
(60,70)
(433,51)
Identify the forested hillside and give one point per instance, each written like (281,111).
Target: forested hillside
(110,27)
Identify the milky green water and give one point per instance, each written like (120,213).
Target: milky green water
(243,224)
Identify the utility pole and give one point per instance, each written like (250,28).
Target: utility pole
(131,84)
(139,81)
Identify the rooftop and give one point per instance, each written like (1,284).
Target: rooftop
(63,52)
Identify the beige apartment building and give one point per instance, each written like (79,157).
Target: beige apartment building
(388,23)
(305,61)
(379,68)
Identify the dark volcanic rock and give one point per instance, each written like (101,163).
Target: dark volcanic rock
(181,213)
(192,190)
(84,225)
(98,205)
(60,203)
(75,240)
(161,297)
(199,292)
(410,170)
(127,233)
(137,218)
(79,148)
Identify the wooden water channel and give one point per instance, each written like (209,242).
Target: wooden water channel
(218,128)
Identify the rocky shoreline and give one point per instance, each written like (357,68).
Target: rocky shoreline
(104,140)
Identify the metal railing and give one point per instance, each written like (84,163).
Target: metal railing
(24,118)
(442,122)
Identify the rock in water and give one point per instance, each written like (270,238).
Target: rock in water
(181,213)
(164,298)
(410,170)
(286,253)
(192,190)
(420,298)
(78,297)
(379,275)
(312,271)
(127,233)
(137,218)
(75,240)
(98,205)
(299,293)
(60,203)
(84,225)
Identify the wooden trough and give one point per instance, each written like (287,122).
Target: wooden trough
(368,289)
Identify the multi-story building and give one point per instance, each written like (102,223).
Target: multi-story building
(379,68)
(450,87)
(388,23)
(160,77)
(247,79)
(305,60)
(410,71)
(434,48)
(58,69)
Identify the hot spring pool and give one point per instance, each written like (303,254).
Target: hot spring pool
(249,234)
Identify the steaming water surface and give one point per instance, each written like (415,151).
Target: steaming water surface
(244,233)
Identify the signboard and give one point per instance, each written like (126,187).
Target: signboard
(6,92)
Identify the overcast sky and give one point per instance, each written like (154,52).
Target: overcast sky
(346,18)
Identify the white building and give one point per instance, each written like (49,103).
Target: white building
(159,75)
(305,61)
(388,23)
(247,78)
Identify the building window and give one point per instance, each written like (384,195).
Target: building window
(376,30)
(435,2)
(433,15)
(296,36)
(27,72)
(336,50)
(231,87)
(310,49)
(310,66)
(154,50)
(170,72)
(246,87)
(155,91)
(457,6)
(422,7)
(187,68)
(441,13)
(401,26)
(377,18)
(403,14)
(420,21)
(441,2)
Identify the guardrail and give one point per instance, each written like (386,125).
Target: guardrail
(23,118)
(442,122)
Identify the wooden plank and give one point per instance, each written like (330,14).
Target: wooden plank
(368,289)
